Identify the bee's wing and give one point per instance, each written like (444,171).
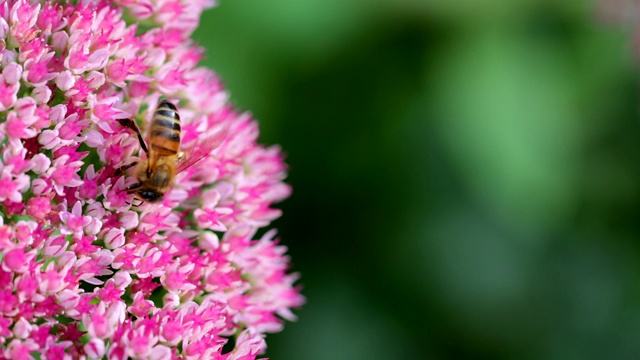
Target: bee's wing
(201,149)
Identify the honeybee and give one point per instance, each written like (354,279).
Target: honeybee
(164,161)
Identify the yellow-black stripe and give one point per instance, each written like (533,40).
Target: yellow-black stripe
(165,129)
(167,121)
(169,135)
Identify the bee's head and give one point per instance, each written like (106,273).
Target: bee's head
(150,195)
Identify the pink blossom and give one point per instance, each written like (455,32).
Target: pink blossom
(19,350)
(68,298)
(12,186)
(97,323)
(95,348)
(8,93)
(16,260)
(74,222)
(27,286)
(86,269)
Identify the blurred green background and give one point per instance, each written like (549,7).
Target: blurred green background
(466,176)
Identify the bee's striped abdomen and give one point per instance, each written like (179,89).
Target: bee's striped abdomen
(164,134)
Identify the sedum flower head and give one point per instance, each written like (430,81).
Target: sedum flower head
(83,273)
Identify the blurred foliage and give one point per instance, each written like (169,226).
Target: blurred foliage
(465,173)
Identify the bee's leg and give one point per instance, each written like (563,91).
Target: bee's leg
(138,204)
(122,169)
(135,205)
(134,187)
(131,124)
(131,189)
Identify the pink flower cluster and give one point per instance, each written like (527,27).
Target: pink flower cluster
(84,274)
